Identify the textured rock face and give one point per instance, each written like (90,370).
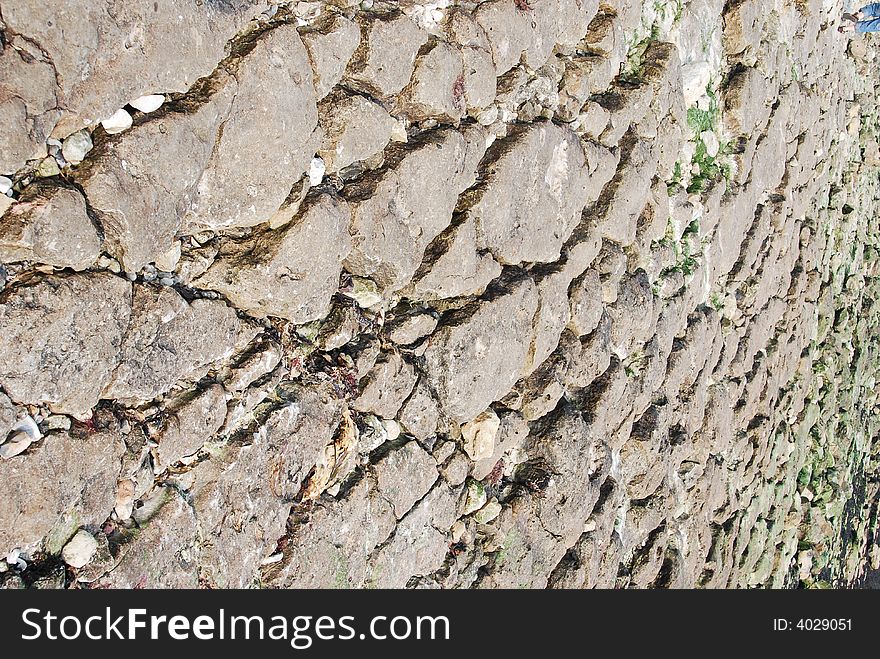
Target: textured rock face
(169,339)
(49,225)
(544,293)
(62,337)
(104,55)
(66,482)
(291,272)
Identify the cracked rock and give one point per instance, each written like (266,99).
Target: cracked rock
(291,272)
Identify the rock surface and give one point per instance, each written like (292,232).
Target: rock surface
(544,293)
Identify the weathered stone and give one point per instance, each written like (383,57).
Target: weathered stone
(115,58)
(420,414)
(242,496)
(266,143)
(267,140)
(331,549)
(190,426)
(417,547)
(437,89)
(453,267)
(354,129)
(29,108)
(534,193)
(169,339)
(291,272)
(387,385)
(49,225)
(586,303)
(165,550)
(330,46)
(66,481)
(80,549)
(61,338)
(385,59)
(478,436)
(476,361)
(410,204)
(404,476)
(410,329)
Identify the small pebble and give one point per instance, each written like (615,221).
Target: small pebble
(148,103)
(118,122)
(5,185)
(169,260)
(48,167)
(58,422)
(80,549)
(76,147)
(124,499)
(316,171)
(167,281)
(130,276)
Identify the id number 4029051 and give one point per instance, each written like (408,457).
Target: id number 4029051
(813,624)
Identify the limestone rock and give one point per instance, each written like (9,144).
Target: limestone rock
(387,385)
(267,139)
(437,90)
(453,267)
(80,549)
(412,328)
(420,413)
(477,360)
(534,194)
(291,272)
(354,129)
(30,96)
(103,59)
(60,338)
(410,204)
(49,225)
(263,140)
(165,550)
(404,476)
(170,339)
(384,61)
(190,426)
(65,481)
(330,46)
(242,497)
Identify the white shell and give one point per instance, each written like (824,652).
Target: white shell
(120,121)
(148,103)
(29,427)
(316,171)
(18,444)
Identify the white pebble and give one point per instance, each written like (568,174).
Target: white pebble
(29,427)
(148,103)
(15,558)
(77,146)
(5,185)
(80,549)
(167,281)
(316,171)
(392,428)
(120,121)
(710,140)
